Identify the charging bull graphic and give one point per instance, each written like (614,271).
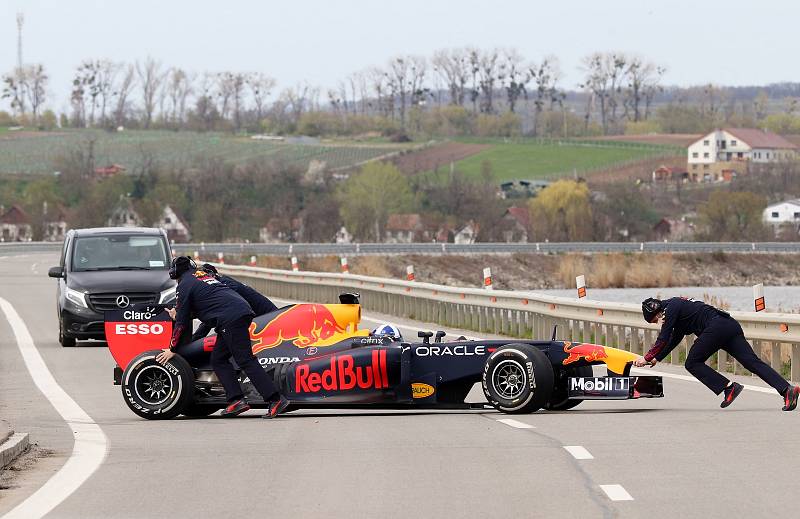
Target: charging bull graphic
(588,352)
(304,325)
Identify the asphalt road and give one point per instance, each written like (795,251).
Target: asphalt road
(676,456)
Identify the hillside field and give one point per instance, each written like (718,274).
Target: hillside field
(538,159)
(37,152)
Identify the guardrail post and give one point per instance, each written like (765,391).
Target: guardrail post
(795,360)
(722,361)
(775,356)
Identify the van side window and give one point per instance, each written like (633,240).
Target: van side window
(64,251)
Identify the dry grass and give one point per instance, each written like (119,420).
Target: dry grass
(571,266)
(620,270)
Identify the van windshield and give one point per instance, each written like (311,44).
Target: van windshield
(119,252)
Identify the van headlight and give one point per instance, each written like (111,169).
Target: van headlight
(75,297)
(168,295)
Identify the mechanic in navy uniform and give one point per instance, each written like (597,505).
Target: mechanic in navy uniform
(260,304)
(716,330)
(201,295)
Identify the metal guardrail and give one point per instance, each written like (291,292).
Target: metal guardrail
(355,249)
(775,335)
(209,250)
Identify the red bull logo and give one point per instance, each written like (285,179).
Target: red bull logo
(343,375)
(587,352)
(304,325)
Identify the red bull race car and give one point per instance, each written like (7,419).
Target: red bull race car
(320,358)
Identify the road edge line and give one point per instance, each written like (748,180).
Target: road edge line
(90,447)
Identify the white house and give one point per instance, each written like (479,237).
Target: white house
(783,212)
(176,227)
(738,145)
(466,234)
(124,215)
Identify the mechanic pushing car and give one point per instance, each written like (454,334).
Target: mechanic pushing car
(716,330)
(260,304)
(200,294)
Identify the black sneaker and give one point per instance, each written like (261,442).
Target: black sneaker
(790,398)
(731,392)
(277,407)
(236,408)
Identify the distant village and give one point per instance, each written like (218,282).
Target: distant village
(718,157)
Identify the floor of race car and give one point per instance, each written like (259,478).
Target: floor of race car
(675,456)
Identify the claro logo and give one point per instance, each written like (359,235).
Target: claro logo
(139,329)
(421,390)
(343,375)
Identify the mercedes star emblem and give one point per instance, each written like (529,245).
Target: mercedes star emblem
(123,301)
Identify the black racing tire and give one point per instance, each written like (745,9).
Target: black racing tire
(558,400)
(195,410)
(66,342)
(517,378)
(157,392)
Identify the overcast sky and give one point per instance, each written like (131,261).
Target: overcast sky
(731,42)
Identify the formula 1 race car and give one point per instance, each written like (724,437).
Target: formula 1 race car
(319,357)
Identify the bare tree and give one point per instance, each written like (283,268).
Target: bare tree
(453,66)
(545,76)
(605,73)
(517,77)
(121,91)
(150,78)
(379,81)
(487,67)
(261,87)
(177,86)
(36,79)
(13,89)
(643,80)
(399,83)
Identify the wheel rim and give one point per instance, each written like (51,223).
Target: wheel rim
(509,379)
(153,385)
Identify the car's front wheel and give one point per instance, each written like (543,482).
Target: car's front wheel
(66,342)
(155,391)
(517,378)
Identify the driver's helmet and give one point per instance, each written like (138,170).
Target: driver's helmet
(387,330)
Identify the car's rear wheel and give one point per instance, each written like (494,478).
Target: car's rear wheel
(66,342)
(157,392)
(558,400)
(517,378)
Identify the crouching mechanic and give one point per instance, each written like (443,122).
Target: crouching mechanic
(716,330)
(201,295)
(260,304)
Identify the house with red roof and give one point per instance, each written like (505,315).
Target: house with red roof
(726,152)
(516,223)
(405,228)
(15,225)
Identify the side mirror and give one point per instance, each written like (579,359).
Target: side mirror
(56,272)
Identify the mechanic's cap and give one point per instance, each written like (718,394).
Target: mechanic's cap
(211,269)
(651,307)
(387,330)
(180,265)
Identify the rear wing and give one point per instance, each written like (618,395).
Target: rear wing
(133,330)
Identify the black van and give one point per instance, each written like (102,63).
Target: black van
(107,269)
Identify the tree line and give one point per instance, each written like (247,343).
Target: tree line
(104,93)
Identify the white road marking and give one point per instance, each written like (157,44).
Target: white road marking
(578,452)
(687,378)
(90,446)
(516,424)
(616,493)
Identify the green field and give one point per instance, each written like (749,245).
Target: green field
(38,153)
(548,160)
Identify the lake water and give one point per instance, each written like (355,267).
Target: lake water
(778,299)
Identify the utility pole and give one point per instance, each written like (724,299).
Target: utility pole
(20,23)
(20,71)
